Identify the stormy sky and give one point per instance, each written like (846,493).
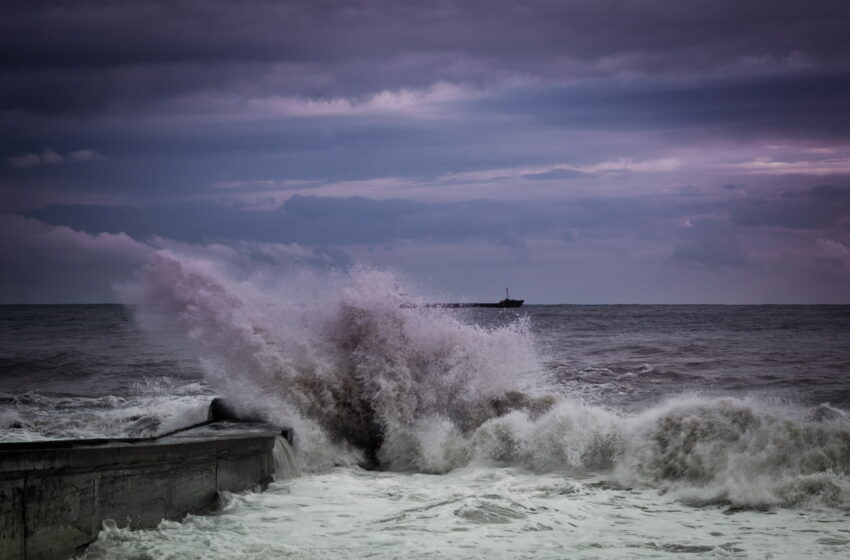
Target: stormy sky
(587,151)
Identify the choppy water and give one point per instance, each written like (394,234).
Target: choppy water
(548,432)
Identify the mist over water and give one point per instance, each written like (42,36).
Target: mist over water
(711,430)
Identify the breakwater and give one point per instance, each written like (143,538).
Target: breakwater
(55,495)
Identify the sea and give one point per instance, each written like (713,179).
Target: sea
(547,431)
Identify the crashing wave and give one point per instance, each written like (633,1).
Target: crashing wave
(367,378)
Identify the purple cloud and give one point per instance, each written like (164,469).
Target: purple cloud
(554,136)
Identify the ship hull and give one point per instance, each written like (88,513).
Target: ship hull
(505,303)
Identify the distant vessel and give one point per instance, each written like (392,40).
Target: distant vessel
(507,302)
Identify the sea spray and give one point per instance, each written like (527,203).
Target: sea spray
(348,375)
(370,376)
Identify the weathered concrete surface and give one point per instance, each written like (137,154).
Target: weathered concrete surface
(54,496)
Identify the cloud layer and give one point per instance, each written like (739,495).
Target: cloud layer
(677,150)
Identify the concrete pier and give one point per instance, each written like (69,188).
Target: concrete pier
(55,495)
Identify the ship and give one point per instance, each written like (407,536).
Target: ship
(507,302)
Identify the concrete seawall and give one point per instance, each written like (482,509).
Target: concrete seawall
(54,495)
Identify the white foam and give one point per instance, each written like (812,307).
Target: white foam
(479,513)
(743,451)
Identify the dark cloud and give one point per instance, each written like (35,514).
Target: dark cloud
(820,207)
(618,234)
(338,222)
(44,264)
(147,161)
(208,30)
(342,221)
(50,157)
(103,54)
(329,221)
(555,174)
(796,105)
(151,86)
(710,244)
(142,116)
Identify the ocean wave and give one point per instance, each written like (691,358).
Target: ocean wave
(370,377)
(747,452)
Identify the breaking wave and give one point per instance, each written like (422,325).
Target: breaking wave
(748,453)
(370,376)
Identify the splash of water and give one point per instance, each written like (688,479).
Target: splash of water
(286,464)
(370,377)
(359,377)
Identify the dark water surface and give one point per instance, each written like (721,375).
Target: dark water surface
(620,355)
(626,355)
